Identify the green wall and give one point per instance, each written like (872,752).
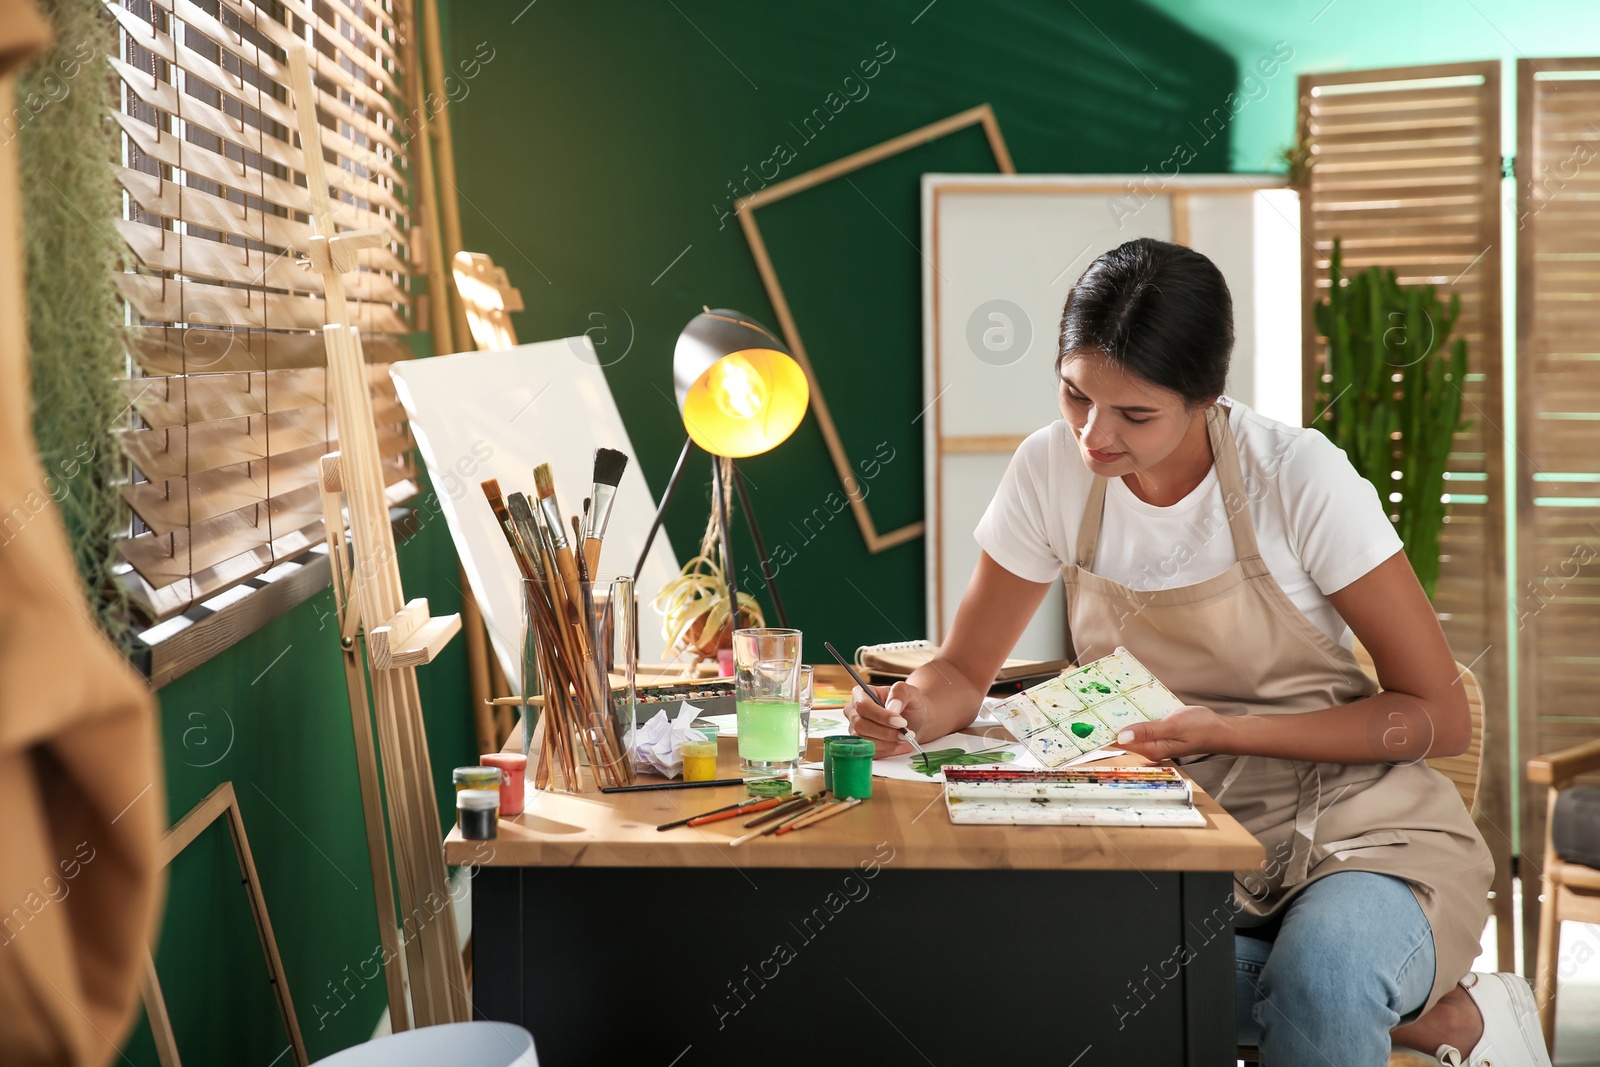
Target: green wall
(593,148)
(596,145)
(270,715)
(1358,34)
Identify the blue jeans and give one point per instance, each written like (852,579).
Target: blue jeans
(1346,961)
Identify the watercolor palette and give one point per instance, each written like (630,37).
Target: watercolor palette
(1083,708)
(1082,796)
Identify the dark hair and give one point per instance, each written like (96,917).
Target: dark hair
(1161,310)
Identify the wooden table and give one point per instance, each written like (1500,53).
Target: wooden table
(885,935)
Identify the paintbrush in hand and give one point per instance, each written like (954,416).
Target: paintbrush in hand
(608,467)
(905,732)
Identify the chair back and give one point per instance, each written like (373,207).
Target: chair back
(1463,770)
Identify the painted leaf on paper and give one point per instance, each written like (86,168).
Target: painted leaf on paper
(956,757)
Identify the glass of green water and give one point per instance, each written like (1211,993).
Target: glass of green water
(767,699)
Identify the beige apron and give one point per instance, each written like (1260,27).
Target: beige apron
(1237,644)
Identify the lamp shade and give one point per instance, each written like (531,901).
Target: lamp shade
(739,390)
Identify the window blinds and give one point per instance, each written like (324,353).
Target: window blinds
(226,387)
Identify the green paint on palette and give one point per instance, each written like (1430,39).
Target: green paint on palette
(1082,729)
(1094,687)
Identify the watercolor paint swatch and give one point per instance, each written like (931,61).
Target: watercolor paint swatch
(1085,707)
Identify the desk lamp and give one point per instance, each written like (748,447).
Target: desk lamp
(740,394)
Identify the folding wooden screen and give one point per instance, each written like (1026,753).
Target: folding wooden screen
(1405,168)
(227,386)
(1557,592)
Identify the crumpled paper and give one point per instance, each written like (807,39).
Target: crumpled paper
(657,746)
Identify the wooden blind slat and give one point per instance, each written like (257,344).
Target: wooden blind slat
(168,454)
(162,299)
(164,250)
(281,528)
(173,350)
(184,501)
(164,96)
(173,597)
(191,399)
(278,73)
(169,149)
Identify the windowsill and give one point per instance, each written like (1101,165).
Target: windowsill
(170,649)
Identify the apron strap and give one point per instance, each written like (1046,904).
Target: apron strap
(1230,479)
(1089,528)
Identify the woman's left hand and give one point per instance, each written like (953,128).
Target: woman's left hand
(1188,730)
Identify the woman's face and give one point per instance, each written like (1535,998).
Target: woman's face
(1123,422)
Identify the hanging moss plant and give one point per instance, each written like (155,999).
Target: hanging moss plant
(66,142)
(1392,400)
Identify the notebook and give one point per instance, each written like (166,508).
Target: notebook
(897,659)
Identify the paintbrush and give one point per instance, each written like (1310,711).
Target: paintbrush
(810,805)
(827,811)
(788,807)
(714,811)
(491,491)
(550,510)
(905,732)
(608,467)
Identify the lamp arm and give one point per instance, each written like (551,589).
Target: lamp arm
(666,499)
(723,506)
(761,547)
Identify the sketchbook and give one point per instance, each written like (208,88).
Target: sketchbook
(897,659)
(1084,708)
(1085,796)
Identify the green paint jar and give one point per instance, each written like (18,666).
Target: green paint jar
(852,767)
(827,759)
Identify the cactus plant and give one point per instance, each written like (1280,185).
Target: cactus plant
(1391,396)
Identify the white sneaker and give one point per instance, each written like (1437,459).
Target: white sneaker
(1511,1034)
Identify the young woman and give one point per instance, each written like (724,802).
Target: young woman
(1234,556)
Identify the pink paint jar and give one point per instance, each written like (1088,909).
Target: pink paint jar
(513,768)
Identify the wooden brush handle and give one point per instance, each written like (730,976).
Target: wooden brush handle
(591,554)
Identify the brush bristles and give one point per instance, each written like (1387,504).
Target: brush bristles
(491,489)
(609,465)
(543,481)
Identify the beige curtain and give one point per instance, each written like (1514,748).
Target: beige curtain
(81,797)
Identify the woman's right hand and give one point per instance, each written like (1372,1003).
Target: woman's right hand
(907,709)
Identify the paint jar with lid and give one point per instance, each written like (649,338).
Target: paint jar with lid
(513,770)
(478,811)
(700,752)
(477,778)
(852,767)
(827,759)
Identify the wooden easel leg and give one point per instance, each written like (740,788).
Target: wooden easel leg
(483,716)
(394,978)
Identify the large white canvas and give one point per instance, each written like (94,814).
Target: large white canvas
(499,414)
(1012,246)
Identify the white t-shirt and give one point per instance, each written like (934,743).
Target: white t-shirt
(1319,524)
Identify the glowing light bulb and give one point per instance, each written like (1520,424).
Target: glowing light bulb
(740,390)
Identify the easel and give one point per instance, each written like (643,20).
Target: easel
(399,637)
(488,297)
